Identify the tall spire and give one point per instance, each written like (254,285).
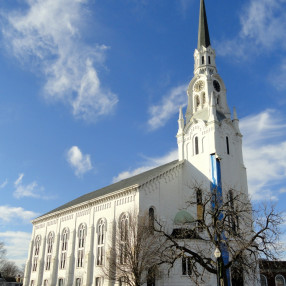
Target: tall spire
(204,37)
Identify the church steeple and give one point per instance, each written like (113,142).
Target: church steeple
(203,35)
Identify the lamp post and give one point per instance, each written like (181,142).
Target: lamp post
(217,255)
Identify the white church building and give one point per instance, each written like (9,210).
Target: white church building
(67,246)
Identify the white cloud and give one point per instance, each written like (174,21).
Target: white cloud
(263,26)
(4,184)
(32,190)
(264,153)
(148,165)
(11,214)
(79,162)
(17,245)
(48,36)
(170,104)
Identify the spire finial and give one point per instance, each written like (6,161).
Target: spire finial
(204,37)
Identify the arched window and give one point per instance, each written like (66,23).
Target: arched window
(151,220)
(263,280)
(203,144)
(81,243)
(151,278)
(196,145)
(124,225)
(233,215)
(64,247)
(100,241)
(122,281)
(36,252)
(61,282)
(78,282)
(227,145)
(186,265)
(46,282)
(279,280)
(199,208)
(32,283)
(209,60)
(204,98)
(203,60)
(50,242)
(99,281)
(197,101)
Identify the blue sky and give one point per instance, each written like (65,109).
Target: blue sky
(90,92)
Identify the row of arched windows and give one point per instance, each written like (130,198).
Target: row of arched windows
(82,232)
(279,280)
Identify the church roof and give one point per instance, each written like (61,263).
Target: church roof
(204,36)
(138,180)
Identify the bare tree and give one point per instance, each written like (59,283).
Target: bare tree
(2,253)
(134,251)
(9,269)
(228,224)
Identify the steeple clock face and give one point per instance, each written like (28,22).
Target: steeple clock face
(199,85)
(216,85)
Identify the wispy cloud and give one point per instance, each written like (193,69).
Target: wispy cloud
(169,105)
(78,161)
(4,184)
(47,35)
(32,190)
(265,153)
(262,27)
(184,5)
(10,214)
(17,245)
(149,164)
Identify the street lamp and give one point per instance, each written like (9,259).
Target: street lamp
(217,255)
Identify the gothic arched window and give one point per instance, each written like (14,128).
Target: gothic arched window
(100,242)
(279,280)
(124,225)
(61,282)
(50,242)
(64,247)
(36,252)
(81,243)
